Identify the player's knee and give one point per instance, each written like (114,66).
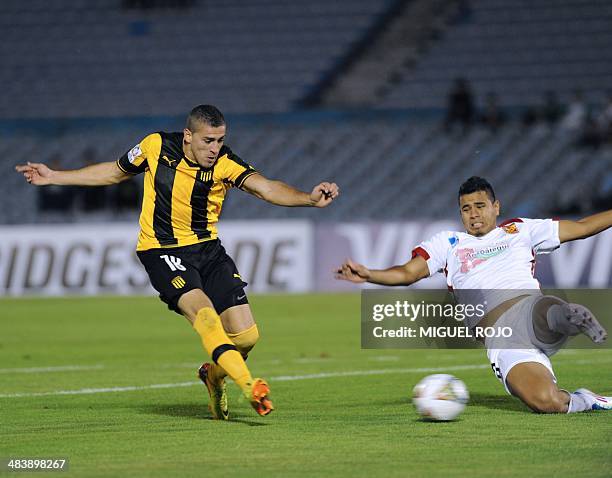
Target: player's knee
(209,318)
(547,401)
(192,303)
(246,339)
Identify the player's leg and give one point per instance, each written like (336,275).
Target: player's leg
(174,273)
(535,386)
(521,362)
(223,284)
(528,375)
(241,328)
(199,310)
(554,320)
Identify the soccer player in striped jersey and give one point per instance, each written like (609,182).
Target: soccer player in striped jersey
(494,263)
(186,178)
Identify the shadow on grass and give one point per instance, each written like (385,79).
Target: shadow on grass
(197,411)
(495,402)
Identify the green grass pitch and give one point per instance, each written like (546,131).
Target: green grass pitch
(340,410)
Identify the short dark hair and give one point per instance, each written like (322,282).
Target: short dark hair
(475,184)
(207,114)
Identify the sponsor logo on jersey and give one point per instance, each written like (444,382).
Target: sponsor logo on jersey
(453,240)
(178,282)
(510,228)
(470,258)
(134,153)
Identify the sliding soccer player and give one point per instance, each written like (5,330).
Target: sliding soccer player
(498,260)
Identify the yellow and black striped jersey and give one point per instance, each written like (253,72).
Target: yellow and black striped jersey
(182,200)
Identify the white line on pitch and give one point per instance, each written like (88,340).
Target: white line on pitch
(281,378)
(89,391)
(305,360)
(385,358)
(63,368)
(291,378)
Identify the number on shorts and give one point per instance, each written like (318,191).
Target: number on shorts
(496,371)
(174,263)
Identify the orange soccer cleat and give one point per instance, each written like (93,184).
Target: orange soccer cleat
(259,397)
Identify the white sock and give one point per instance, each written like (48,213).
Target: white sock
(578,403)
(556,318)
(583,399)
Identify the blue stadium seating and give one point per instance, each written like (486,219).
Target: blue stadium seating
(74,58)
(388,167)
(518,49)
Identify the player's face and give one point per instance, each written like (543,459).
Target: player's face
(203,144)
(478,213)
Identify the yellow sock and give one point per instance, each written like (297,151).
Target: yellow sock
(223,352)
(244,342)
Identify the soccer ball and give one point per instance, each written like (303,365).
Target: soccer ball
(440,397)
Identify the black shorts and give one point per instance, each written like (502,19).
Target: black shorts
(206,266)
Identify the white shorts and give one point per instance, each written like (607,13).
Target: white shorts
(523,346)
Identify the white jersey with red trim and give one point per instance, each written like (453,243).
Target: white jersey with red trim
(502,260)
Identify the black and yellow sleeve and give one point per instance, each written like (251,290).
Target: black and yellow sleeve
(232,169)
(135,160)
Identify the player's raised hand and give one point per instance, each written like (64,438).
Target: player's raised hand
(36,173)
(353,272)
(324,193)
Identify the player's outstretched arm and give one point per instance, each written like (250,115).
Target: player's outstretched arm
(101,174)
(409,273)
(281,194)
(586,227)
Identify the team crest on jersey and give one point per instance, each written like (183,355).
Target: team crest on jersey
(453,240)
(178,282)
(134,153)
(205,176)
(510,228)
